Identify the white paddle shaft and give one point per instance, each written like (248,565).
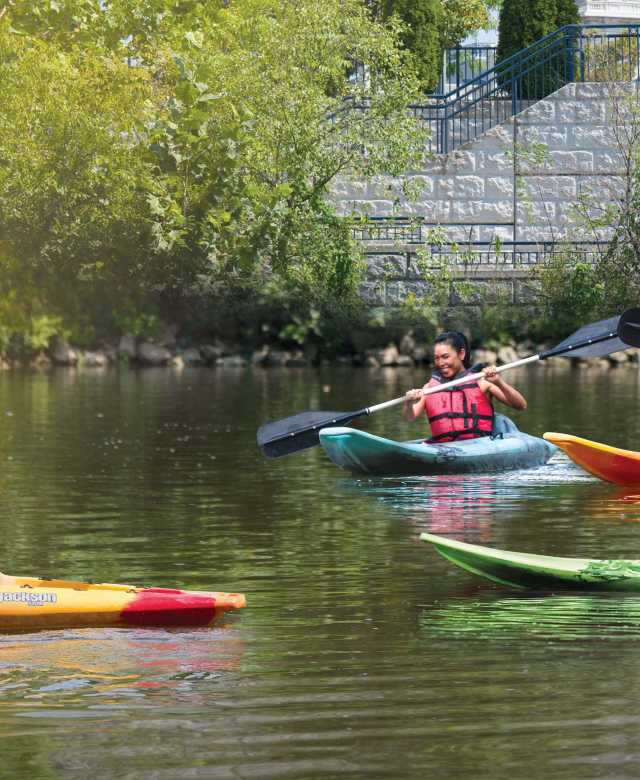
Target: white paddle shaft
(454,382)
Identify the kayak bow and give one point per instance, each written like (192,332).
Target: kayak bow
(540,572)
(612,464)
(31,603)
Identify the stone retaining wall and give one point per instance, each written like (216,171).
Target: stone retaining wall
(521,181)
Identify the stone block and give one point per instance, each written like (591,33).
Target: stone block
(152,354)
(570,162)
(378,208)
(551,137)
(536,212)
(192,357)
(232,361)
(127,346)
(596,137)
(587,90)
(590,111)
(386,266)
(566,112)
(494,163)
(423,183)
(482,292)
(487,356)
(94,359)
(459,162)
(620,110)
(496,138)
(567,214)
(63,354)
(372,293)
(472,211)
(598,186)
(435,166)
(491,232)
(389,355)
(398,292)
(550,186)
(507,354)
(434,212)
(461,186)
(540,113)
(498,187)
(564,93)
(609,161)
(540,232)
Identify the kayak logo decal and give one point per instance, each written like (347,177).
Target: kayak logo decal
(30,599)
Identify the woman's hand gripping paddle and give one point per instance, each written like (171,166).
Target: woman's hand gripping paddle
(300,431)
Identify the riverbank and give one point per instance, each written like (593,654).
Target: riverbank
(170,353)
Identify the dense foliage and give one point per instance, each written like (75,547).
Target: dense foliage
(430,26)
(523,22)
(421,35)
(154,147)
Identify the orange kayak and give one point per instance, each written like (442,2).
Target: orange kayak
(609,463)
(32,603)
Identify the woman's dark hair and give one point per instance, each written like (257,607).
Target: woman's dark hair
(458,341)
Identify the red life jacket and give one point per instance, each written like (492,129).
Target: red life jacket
(463,412)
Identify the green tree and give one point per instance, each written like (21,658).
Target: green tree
(422,35)
(259,126)
(460,18)
(523,22)
(154,147)
(72,202)
(430,26)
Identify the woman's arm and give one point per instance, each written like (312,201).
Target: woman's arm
(494,385)
(413,405)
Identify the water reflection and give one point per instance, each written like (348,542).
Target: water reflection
(565,618)
(347,662)
(52,668)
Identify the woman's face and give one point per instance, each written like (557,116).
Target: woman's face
(448,360)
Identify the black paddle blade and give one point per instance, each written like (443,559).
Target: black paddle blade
(299,432)
(629,327)
(595,330)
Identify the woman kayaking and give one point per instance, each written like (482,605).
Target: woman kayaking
(464,411)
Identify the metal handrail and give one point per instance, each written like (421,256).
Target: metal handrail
(409,231)
(461,64)
(517,81)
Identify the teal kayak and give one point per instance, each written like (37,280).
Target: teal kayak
(506,450)
(540,572)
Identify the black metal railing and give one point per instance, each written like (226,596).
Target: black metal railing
(574,53)
(392,235)
(462,64)
(515,255)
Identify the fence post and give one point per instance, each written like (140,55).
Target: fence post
(570,55)
(444,131)
(517,72)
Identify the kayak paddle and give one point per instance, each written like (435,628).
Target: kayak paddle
(301,431)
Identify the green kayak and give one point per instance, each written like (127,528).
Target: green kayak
(540,572)
(506,450)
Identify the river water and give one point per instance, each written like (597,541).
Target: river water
(361,653)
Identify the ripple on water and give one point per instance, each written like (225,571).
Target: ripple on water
(567,618)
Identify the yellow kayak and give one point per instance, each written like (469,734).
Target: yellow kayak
(612,464)
(32,603)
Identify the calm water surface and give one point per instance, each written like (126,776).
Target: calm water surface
(361,653)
